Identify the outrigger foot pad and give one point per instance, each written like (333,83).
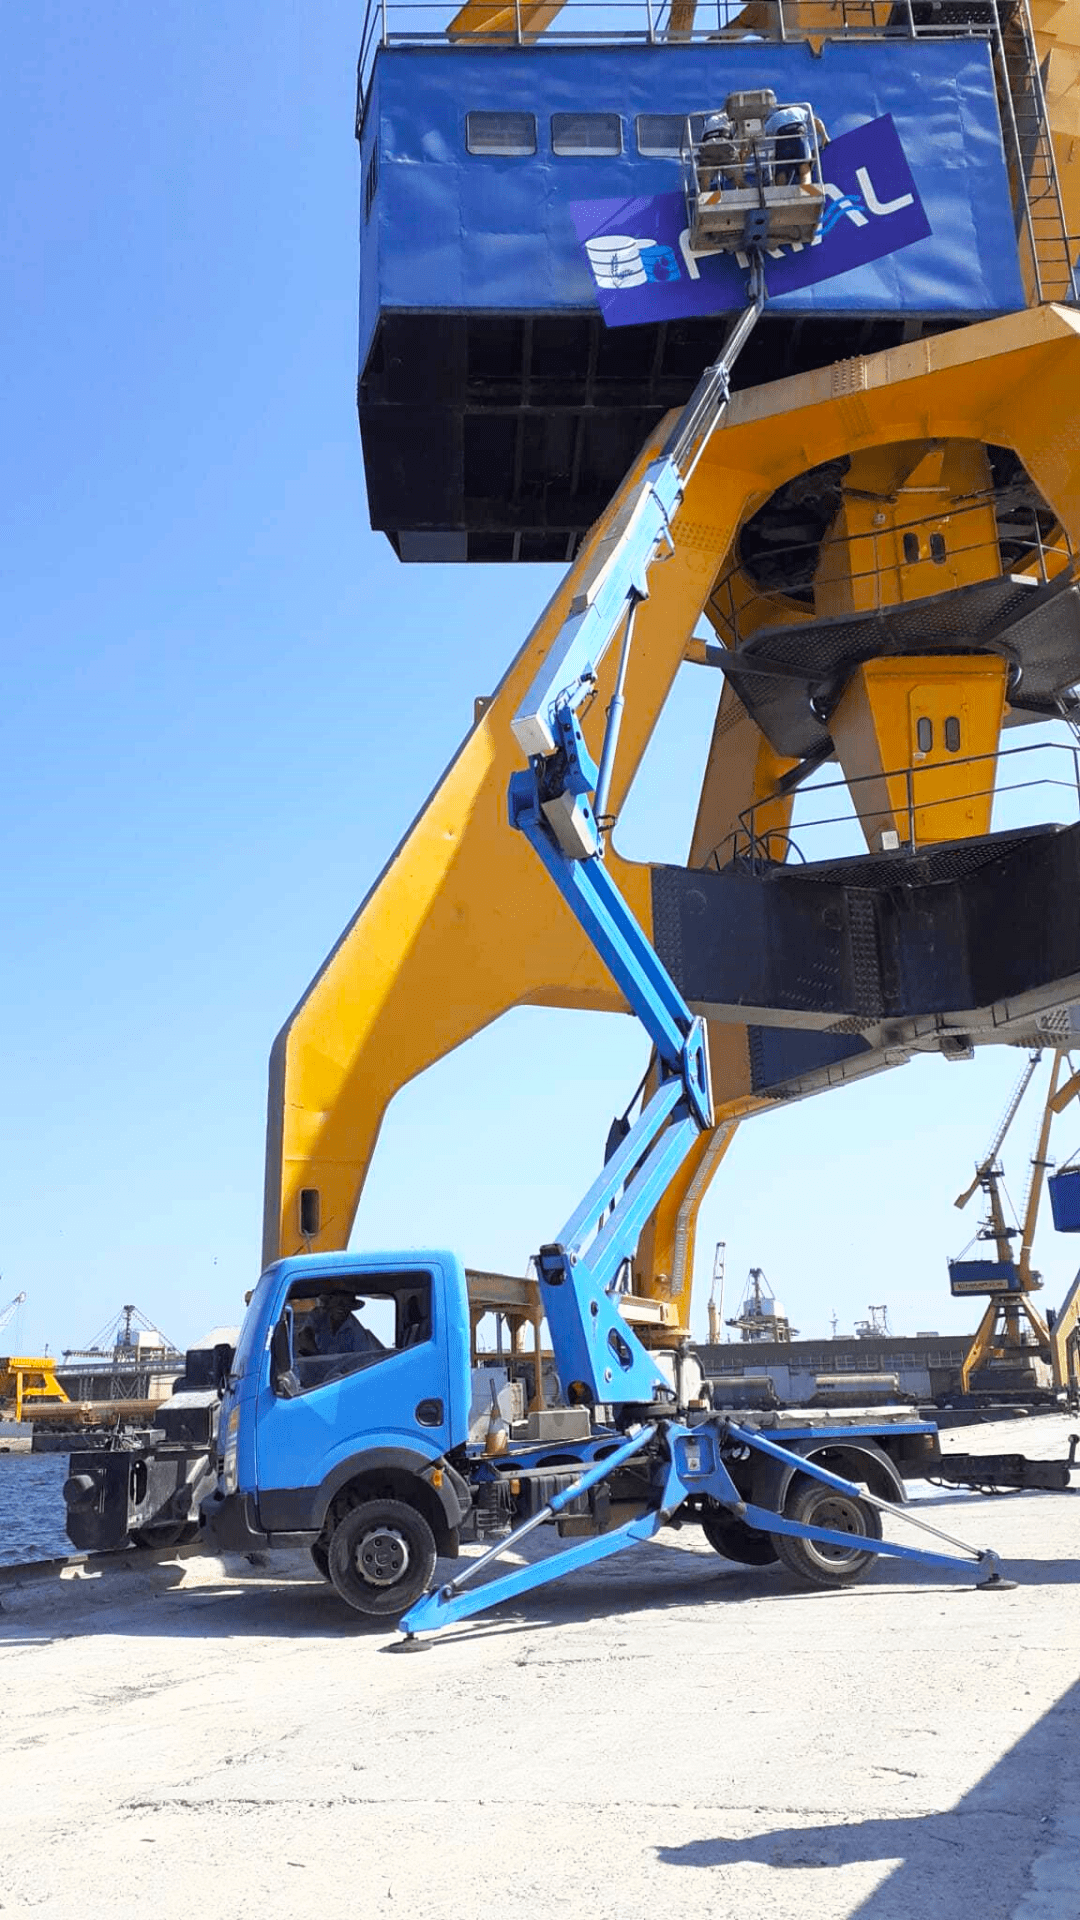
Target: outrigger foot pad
(411,1643)
(995,1581)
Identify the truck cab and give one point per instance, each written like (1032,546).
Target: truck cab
(349,1387)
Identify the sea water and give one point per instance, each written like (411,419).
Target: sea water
(32,1506)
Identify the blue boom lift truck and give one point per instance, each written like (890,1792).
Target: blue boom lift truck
(364,1456)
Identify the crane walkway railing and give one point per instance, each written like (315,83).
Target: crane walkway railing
(665,22)
(1032,546)
(757,843)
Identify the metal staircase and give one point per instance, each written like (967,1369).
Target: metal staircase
(1030,152)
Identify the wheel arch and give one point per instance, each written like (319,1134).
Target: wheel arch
(393,1473)
(860,1460)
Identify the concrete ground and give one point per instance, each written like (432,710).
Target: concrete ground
(668,1735)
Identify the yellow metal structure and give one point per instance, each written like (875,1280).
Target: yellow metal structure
(28,1382)
(905,732)
(1065,1346)
(463,924)
(1065,1331)
(518,21)
(1000,1333)
(1000,1336)
(916,518)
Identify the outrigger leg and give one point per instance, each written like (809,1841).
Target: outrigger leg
(689,1465)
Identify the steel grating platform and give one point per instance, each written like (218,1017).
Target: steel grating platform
(791,678)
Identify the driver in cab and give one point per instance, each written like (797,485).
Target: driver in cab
(333,1328)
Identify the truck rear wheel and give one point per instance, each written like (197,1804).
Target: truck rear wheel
(734,1540)
(382,1557)
(815,1561)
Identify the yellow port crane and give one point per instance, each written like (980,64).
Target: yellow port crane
(716,1295)
(1064,1325)
(25,1379)
(28,1381)
(1001,1337)
(7,1314)
(836,536)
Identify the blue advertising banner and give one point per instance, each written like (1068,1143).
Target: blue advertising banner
(470,186)
(639,254)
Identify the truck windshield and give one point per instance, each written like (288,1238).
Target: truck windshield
(252,1319)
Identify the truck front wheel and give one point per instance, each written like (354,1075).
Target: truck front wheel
(382,1557)
(815,1561)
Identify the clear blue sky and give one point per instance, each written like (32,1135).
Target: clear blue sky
(199,631)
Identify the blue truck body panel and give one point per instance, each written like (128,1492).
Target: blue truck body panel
(290,1444)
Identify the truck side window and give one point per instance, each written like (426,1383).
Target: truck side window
(345,1326)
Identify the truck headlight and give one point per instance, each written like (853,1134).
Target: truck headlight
(228,1466)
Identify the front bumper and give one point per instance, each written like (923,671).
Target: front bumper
(113,1494)
(228,1523)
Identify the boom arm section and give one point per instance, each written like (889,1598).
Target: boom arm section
(618,577)
(558,804)
(598,1356)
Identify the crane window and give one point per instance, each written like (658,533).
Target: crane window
(512,133)
(924,734)
(660,133)
(371,181)
(952,734)
(911,547)
(586,133)
(937,549)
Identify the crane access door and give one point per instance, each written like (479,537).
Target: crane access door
(951,749)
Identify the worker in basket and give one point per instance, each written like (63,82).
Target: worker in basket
(789,135)
(719,155)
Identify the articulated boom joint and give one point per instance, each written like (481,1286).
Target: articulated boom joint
(580,1271)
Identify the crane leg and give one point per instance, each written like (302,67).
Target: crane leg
(462,924)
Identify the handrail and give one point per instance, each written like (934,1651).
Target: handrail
(1039,559)
(749,843)
(409,23)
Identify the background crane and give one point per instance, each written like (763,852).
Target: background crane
(988,1174)
(716,1295)
(1004,1333)
(7,1314)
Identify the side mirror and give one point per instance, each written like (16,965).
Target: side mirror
(283,1376)
(206,1367)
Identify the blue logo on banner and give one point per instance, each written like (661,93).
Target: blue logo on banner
(660,263)
(640,256)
